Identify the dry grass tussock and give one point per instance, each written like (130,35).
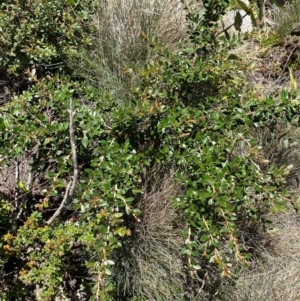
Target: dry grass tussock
(125,20)
(276,276)
(121,28)
(149,265)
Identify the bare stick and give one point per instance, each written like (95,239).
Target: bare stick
(61,206)
(72,184)
(73,148)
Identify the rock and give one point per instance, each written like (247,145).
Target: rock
(296,31)
(229,19)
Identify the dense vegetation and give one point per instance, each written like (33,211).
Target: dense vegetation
(142,178)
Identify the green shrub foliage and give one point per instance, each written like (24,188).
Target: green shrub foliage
(66,144)
(42,33)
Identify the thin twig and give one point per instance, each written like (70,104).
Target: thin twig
(72,184)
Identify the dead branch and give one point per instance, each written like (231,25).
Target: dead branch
(72,184)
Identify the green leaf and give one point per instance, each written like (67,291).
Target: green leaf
(99,243)
(21,186)
(261,7)
(85,141)
(238,21)
(244,6)
(204,238)
(110,262)
(253,19)
(233,57)
(227,35)
(90,264)
(48,140)
(118,214)
(196,267)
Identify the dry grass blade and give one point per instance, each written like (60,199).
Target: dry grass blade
(149,264)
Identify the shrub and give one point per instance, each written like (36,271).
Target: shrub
(94,173)
(42,35)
